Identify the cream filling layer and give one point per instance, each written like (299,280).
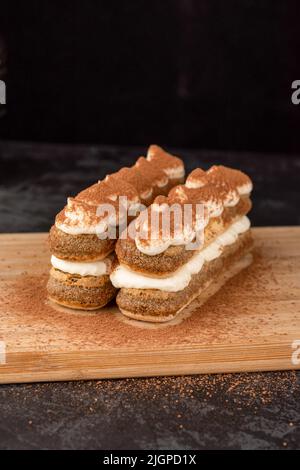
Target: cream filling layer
(75,221)
(123,277)
(95,268)
(155,246)
(83,230)
(175,173)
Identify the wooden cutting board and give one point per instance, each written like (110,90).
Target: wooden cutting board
(252,323)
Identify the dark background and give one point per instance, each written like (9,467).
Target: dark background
(90,84)
(209,74)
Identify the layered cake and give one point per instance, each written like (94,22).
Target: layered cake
(160,271)
(83,238)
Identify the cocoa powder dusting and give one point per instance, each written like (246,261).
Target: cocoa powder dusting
(231,315)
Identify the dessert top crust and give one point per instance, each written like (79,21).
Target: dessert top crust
(172,166)
(205,195)
(122,191)
(166,262)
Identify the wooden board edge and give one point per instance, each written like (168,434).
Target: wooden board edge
(44,367)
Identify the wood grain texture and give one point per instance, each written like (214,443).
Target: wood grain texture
(248,325)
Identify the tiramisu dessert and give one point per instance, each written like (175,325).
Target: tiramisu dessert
(160,272)
(82,241)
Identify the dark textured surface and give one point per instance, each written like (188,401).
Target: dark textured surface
(36,180)
(235,411)
(173,413)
